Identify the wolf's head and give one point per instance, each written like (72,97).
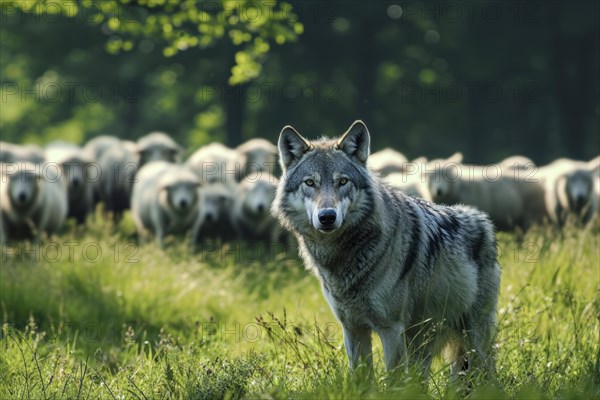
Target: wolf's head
(324,186)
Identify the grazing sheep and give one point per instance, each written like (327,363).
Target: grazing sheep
(166,199)
(16,153)
(216,162)
(251,216)
(410,184)
(516,163)
(217,203)
(117,160)
(157,146)
(116,183)
(96,146)
(257,155)
(454,159)
(386,161)
(94,149)
(570,191)
(531,189)
(6,152)
(32,202)
(594,165)
(80,174)
(482,187)
(412,179)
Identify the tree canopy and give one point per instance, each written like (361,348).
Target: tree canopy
(490,79)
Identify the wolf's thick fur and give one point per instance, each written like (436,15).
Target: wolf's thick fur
(421,275)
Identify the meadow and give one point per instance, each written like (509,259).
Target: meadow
(89,314)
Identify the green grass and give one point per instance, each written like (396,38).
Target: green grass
(149,323)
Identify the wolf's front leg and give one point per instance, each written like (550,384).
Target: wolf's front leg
(357,341)
(392,339)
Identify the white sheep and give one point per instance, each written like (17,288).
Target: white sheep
(509,202)
(33,201)
(516,163)
(166,199)
(411,184)
(216,162)
(21,153)
(117,161)
(80,174)
(412,179)
(157,146)
(386,161)
(257,156)
(251,210)
(217,204)
(570,191)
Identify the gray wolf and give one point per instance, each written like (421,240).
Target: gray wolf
(420,275)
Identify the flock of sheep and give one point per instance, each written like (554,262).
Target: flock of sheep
(514,192)
(218,193)
(225,194)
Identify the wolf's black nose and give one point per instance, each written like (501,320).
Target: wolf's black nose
(327,216)
(183,203)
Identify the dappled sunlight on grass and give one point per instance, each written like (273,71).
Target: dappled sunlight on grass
(146,322)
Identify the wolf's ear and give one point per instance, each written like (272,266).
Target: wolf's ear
(356,142)
(291,146)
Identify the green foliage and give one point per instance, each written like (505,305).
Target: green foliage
(428,79)
(184,25)
(235,322)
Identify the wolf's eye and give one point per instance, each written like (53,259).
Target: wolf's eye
(343,181)
(309,182)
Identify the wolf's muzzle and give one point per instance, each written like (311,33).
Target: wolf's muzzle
(327,217)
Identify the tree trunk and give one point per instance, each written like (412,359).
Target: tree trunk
(235,104)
